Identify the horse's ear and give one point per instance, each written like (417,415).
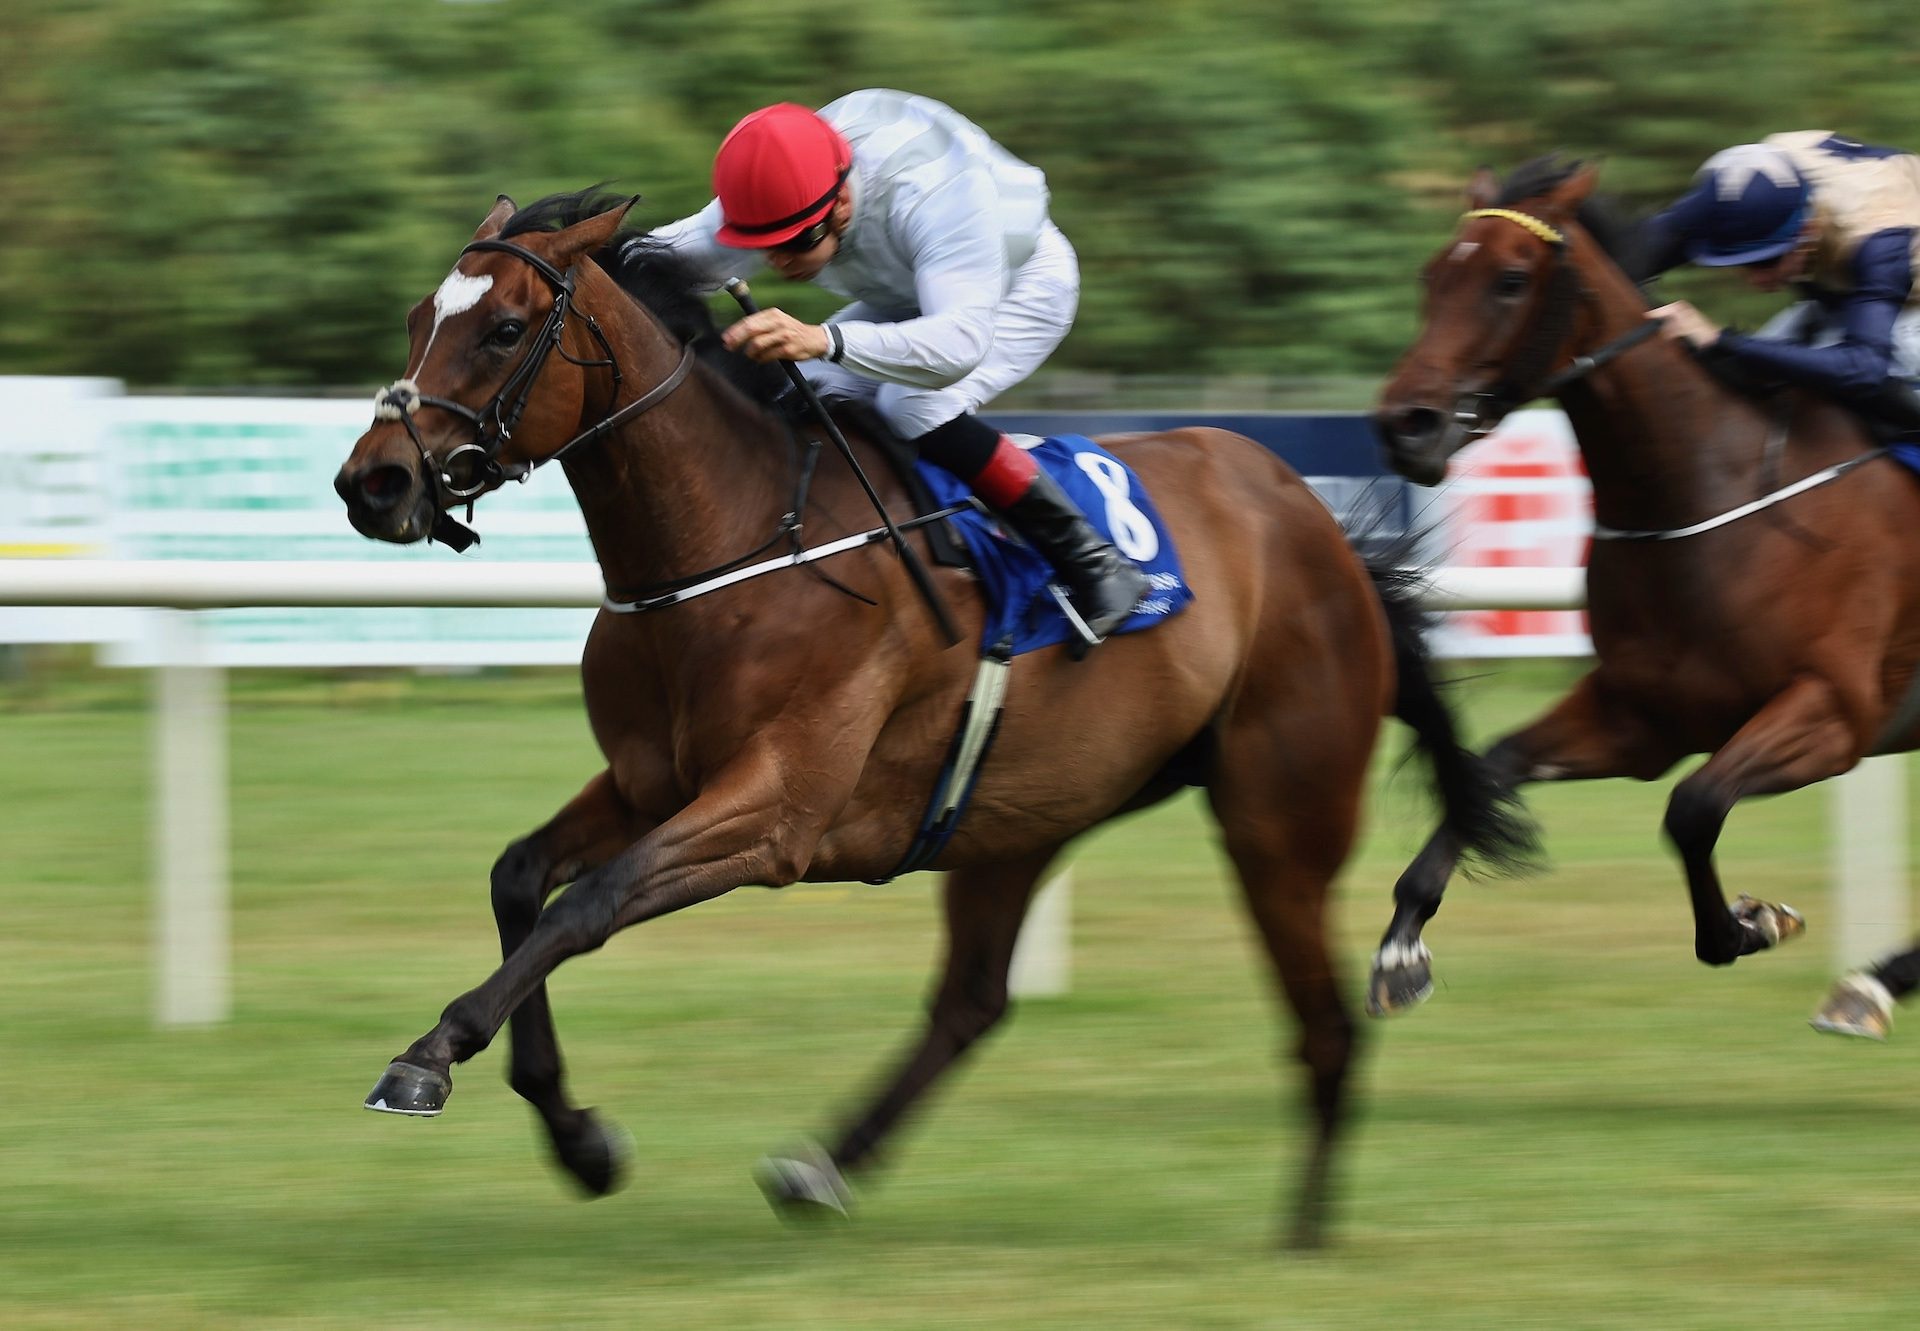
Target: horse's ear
(503,208)
(1483,187)
(588,236)
(1566,197)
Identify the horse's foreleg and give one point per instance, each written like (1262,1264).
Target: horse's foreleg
(984,909)
(1580,739)
(1802,735)
(744,827)
(594,827)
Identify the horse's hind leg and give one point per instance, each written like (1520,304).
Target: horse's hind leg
(594,827)
(984,909)
(1288,838)
(1862,1003)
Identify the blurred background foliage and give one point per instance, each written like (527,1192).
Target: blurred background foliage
(218,193)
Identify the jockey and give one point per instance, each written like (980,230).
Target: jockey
(1837,220)
(960,285)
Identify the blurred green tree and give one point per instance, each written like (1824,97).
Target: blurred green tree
(249,192)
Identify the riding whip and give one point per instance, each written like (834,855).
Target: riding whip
(915,569)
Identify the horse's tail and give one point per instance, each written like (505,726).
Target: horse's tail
(1483,815)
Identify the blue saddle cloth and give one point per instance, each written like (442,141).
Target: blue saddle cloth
(1906,453)
(1013,578)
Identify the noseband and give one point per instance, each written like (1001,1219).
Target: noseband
(1526,377)
(474,467)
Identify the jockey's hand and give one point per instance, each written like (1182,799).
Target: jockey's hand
(1680,322)
(776,335)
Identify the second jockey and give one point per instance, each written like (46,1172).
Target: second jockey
(961,287)
(1834,220)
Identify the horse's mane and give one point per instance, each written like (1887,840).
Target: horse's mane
(665,282)
(1611,226)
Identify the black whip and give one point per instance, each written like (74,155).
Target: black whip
(915,569)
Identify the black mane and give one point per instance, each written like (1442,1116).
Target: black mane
(663,281)
(1602,218)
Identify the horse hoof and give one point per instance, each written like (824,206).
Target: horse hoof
(1402,978)
(406,1089)
(1769,923)
(1859,1006)
(804,1185)
(596,1155)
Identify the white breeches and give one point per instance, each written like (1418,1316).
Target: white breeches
(1030,321)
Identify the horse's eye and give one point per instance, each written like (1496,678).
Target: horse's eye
(1512,282)
(506,334)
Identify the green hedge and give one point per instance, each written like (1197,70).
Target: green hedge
(230,192)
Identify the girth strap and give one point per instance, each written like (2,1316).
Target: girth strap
(960,773)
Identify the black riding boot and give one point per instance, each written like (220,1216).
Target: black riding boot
(1103,584)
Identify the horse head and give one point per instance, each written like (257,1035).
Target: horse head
(1498,317)
(485,399)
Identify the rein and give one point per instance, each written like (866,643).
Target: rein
(1817,479)
(726,575)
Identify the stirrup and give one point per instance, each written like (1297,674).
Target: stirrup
(1084,638)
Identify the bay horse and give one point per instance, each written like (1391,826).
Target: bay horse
(1752,588)
(782,729)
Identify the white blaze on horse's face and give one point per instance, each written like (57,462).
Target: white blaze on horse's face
(1463,251)
(458,294)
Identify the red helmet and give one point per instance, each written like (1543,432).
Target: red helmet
(778,172)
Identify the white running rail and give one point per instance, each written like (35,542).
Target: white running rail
(190,830)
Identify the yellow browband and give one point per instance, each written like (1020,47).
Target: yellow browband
(1533,224)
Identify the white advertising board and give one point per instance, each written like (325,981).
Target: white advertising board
(53,503)
(87,472)
(1519,498)
(252,478)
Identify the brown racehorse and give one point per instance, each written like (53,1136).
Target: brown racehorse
(1778,636)
(781,729)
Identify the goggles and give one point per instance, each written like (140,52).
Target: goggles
(807,239)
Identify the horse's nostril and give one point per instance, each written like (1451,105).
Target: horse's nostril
(383,482)
(1418,424)
(377,488)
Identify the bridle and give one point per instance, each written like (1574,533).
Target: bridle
(474,467)
(1554,320)
(1526,378)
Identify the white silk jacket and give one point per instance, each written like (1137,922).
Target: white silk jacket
(943,217)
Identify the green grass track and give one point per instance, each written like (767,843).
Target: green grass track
(1584,1128)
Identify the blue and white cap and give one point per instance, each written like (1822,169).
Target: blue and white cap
(1756,201)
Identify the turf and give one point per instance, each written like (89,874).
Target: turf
(1584,1128)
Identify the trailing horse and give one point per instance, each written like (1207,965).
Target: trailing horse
(792,727)
(1752,589)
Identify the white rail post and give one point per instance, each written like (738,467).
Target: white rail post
(1043,956)
(1868,821)
(191,927)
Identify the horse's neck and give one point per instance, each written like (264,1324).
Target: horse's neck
(692,483)
(1664,443)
